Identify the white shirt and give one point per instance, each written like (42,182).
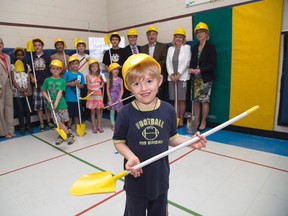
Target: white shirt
(183,64)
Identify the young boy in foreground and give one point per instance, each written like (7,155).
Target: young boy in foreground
(145,128)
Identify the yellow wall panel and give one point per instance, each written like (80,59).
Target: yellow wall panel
(256,30)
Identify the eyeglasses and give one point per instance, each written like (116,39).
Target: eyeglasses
(200,31)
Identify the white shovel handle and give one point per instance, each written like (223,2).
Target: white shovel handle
(53,111)
(195,139)
(119,101)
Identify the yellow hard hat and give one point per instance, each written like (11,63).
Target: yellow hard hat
(135,60)
(112,66)
(38,40)
(180,31)
(72,58)
(91,61)
(56,63)
(151,28)
(132,32)
(60,40)
(80,42)
(16,49)
(115,34)
(201,25)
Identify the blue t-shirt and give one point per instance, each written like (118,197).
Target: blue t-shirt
(70,93)
(147,134)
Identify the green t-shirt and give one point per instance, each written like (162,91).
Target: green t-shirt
(54,86)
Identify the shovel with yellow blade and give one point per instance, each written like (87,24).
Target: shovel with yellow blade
(80,128)
(30,48)
(105,182)
(19,68)
(60,131)
(87,97)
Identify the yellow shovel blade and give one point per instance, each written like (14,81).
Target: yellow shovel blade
(84,98)
(61,132)
(107,39)
(19,66)
(96,183)
(80,129)
(29,46)
(76,41)
(178,120)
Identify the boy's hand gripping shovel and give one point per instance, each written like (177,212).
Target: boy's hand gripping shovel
(60,131)
(105,182)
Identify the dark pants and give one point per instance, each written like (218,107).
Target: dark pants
(22,111)
(139,206)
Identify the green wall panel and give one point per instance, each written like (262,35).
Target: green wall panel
(220,26)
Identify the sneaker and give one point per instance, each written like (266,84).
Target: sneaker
(29,129)
(22,130)
(42,127)
(70,139)
(50,125)
(59,140)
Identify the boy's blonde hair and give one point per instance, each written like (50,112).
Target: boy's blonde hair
(137,66)
(138,73)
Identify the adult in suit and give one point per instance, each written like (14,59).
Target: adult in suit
(130,49)
(158,51)
(6,96)
(202,65)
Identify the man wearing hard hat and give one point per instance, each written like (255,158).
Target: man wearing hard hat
(60,54)
(158,51)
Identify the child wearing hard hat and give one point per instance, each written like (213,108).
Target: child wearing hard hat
(115,92)
(60,54)
(74,80)
(52,89)
(145,128)
(20,76)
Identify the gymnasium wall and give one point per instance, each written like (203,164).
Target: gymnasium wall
(245,28)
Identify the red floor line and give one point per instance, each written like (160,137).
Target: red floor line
(31,165)
(246,161)
(99,203)
(49,159)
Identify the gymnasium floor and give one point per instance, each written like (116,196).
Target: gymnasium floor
(235,175)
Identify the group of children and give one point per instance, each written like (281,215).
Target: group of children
(63,90)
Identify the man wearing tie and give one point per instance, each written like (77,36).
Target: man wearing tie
(129,50)
(132,47)
(159,52)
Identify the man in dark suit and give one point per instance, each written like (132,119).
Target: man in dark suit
(130,49)
(159,52)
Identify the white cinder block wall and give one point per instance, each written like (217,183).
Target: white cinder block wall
(94,18)
(74,14)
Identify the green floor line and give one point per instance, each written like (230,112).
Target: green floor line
(98,168)
(183,208)
(67,153)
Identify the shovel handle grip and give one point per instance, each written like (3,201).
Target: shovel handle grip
(195,139)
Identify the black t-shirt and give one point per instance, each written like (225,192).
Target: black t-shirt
(147,134)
